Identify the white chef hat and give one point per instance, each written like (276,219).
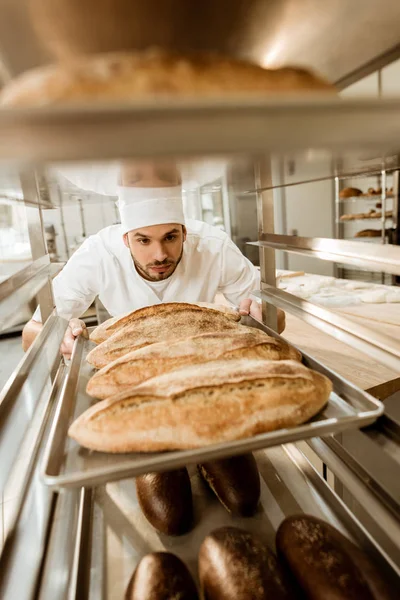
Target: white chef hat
(143,207)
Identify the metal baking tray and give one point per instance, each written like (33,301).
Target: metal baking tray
(67,464)
(118,535)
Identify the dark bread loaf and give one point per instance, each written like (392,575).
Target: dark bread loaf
(321,560)
(166,500)
(235,481)
(161,576)
(234,564)
(377,585)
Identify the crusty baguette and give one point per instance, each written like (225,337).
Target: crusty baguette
(168,326)
(140,75)
(106,329)
(208,403)
(139,365)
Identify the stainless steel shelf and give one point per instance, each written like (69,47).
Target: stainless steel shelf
(119,531)
(67,464)
(207,127)
(385,259)
(20,288)
(383,348)
(373,219)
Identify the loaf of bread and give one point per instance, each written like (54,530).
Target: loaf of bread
(109,327)
(234,564)
(235,481)
(208,403)
(166,500)
(320,561)
(153,73)
(139,365)
(161,576)
(160,325)
(350,192)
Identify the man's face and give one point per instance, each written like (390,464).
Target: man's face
(156,250)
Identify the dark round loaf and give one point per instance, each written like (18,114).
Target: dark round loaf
(161,576)
(319,562)
(235,481)
(234,564)
(166,500)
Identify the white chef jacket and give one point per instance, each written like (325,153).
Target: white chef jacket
(103,267)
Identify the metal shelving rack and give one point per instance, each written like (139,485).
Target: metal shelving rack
(63,529)
(384,219)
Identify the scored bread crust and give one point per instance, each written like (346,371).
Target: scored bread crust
(208,403)
(153,73)
(140,365)
(159,326)
(106,329)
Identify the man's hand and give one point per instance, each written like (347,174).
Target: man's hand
(253,308)
(75,328)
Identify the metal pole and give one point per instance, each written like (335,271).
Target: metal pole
(383,218)
(265,217)
(37,237)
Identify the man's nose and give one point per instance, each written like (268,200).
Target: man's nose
(160,253)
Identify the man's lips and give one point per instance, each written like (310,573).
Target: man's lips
(161,269)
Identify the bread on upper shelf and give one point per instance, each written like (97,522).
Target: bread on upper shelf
(350,192)
(138,75)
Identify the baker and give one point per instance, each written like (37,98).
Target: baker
(155,255)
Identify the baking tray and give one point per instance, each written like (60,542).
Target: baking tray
(121,535)
(66,464)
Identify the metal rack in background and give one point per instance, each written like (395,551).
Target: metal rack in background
(29,399)
(385,237)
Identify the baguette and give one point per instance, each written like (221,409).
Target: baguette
(320,562)
(150,74)
(234,564)
(235,481)
(166,500)
(161,576)
(106,329)
(168,326)
(137,366)
(208,403)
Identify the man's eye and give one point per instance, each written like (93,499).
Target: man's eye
(170,238)
(143,241)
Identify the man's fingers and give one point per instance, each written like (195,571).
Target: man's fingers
(244,306)
(77,327)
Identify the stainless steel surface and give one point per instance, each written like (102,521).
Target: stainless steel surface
(336,39)
(32,452)
(66,464)
(22,392)
(30,189)
(57,577)
(289,485)
(389,525)
(265,219)
(362,254)
(191,127)
(382,347)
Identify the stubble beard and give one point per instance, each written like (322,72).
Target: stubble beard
(144,271)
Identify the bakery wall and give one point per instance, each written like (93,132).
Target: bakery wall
(308,208)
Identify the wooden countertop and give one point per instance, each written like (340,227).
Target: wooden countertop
(355,366)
